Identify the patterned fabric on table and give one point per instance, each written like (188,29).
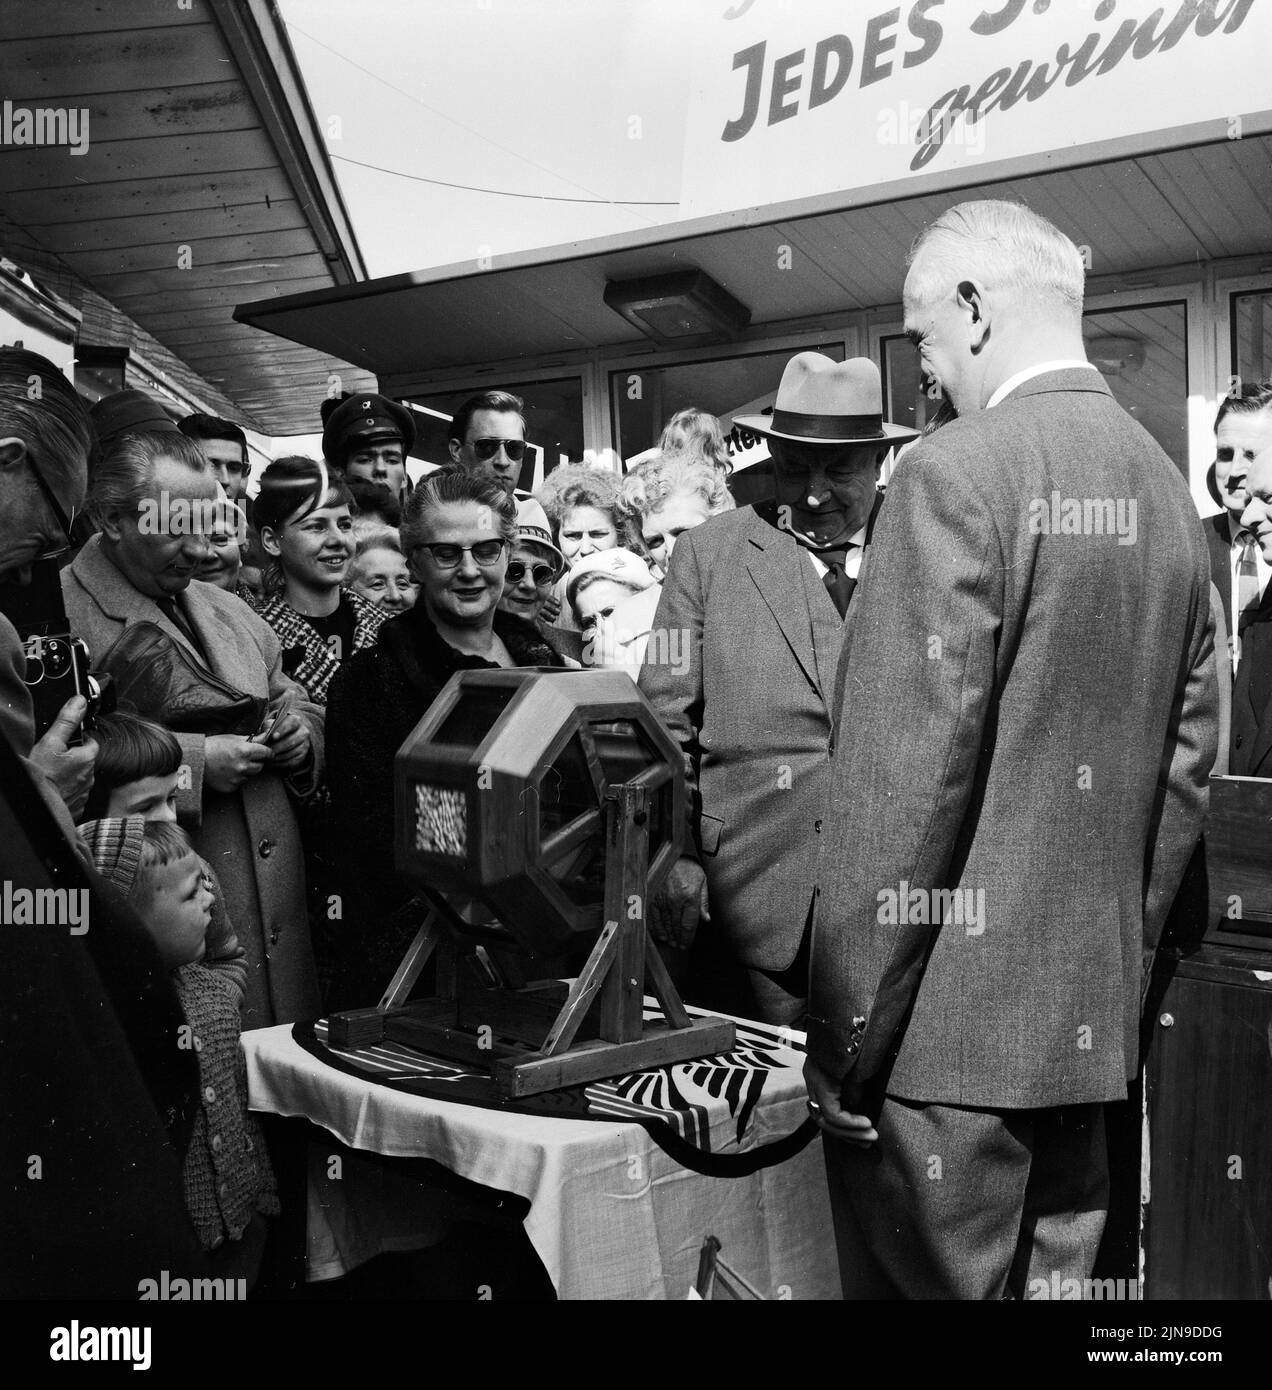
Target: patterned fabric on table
(305,655)
(678,1105)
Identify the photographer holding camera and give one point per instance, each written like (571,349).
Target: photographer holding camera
(44,439)
(93,1087)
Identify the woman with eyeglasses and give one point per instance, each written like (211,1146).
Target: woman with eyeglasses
(458,533)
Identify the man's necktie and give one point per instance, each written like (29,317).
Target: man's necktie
(169,607)
(839,585)
(1247,581)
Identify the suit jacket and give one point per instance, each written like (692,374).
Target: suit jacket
(249,836)
(1031,721)
(752,716)
(1219,549)
(1252,698)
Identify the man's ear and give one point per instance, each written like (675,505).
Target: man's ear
(108,524)
(971,299)
(13,453)
(454,446)
(269,541)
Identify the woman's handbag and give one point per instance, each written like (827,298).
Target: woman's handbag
(158,678)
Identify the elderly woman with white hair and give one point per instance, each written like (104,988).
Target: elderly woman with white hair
(669,495)
(659,501)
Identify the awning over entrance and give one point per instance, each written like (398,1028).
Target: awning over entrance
(1201,203)
(203,181)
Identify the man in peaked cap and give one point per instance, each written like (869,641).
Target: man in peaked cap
(761,594)
(369,437)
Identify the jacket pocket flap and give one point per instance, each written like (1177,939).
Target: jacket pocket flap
(709,828)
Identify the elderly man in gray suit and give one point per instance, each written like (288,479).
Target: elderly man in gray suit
(1028,725)
(758,597)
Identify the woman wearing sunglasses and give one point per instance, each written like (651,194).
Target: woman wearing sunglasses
(533,571)
(458,533)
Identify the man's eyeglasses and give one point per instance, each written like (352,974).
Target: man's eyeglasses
(487,448)
(446,556)
(543,574)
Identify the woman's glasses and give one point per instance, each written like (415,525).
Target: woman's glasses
(446,556)
(543,574)
(488,448)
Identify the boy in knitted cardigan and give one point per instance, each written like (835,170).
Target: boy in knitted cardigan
(229,1185)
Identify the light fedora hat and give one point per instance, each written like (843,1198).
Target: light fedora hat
(821,401)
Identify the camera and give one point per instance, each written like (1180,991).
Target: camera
(57,664)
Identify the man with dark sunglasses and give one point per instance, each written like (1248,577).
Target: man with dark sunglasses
(488,435)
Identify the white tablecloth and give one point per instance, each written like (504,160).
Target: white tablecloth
(612,1214)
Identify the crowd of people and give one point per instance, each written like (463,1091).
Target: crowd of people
(924,693)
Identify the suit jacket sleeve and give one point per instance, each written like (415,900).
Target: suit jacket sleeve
(923,640)
(1223,679)
(1183,785)
(677,695)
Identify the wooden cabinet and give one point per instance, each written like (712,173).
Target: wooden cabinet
(1208,1222)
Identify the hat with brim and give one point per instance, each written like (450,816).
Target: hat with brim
(363,420)
(820,401)
(533,529)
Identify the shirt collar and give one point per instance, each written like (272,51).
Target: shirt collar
(1008,386)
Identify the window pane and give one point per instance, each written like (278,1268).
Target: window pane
(1252,335)
(645,398)
(1143,355)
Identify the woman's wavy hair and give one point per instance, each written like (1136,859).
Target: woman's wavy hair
(646,488)
(696,433)
(580,485)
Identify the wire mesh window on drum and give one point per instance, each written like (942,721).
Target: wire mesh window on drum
(441,820)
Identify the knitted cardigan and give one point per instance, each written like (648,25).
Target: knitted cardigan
(227,1170)
(305,655)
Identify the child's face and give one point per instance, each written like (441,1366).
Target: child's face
(176,906)
(152,797)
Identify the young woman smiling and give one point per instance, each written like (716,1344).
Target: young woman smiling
(305,519)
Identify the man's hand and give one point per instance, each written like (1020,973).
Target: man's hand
(230,759)
(70,769)
(837,1100)
(289,744)
(675,912)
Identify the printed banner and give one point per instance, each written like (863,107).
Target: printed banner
(797,100)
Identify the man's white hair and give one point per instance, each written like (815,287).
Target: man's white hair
(1004,246)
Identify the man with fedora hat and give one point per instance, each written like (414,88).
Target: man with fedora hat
(758,598)
(369,437)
